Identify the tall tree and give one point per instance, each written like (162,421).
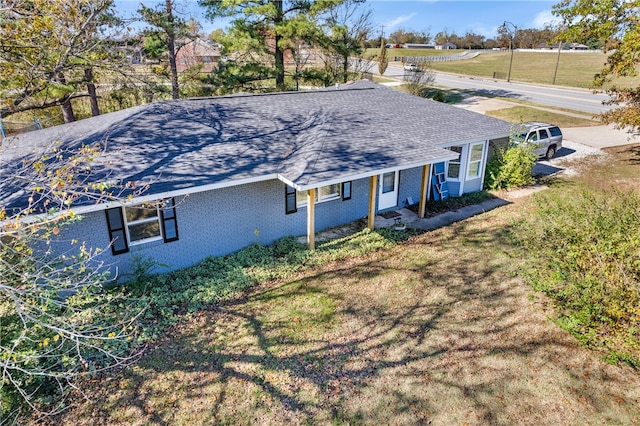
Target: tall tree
(168,27)
(383,58)
(614,23)
(45,48)
(264,29)
(347,26)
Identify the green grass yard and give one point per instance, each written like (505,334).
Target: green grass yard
(575,69)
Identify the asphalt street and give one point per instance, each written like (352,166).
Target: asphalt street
(563,97)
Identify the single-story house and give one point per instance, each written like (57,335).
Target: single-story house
(447,46)
(252,168)
(197,51)
(419,46)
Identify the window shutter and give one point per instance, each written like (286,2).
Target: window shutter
(117,234)
(346,191)
(169,221)
(290,201)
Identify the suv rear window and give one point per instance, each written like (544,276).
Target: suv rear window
(555,131)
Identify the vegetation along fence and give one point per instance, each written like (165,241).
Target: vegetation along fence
(438,58)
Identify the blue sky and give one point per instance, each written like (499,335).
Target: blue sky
(433,16)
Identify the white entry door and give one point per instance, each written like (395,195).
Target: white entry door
(388,196)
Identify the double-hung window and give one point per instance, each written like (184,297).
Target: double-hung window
(454,165)
(295,199)
(476,154)
(143,223)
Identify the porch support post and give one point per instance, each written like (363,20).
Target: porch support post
(311,226)
(373,189)
(422,205)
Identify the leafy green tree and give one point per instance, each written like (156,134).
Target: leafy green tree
(402,36)
(261,32)
(615,24)
(46,48)
(58,321)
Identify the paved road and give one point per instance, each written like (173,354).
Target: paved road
(576,99)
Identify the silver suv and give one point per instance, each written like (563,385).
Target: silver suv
(547,138)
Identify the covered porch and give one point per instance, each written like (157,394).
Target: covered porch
(377,186)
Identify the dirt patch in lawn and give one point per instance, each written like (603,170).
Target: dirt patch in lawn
(435,331)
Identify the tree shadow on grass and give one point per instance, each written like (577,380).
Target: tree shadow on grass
(428,331)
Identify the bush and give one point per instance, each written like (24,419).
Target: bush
(439,96)
(165,297)
(511,167)
(587,250)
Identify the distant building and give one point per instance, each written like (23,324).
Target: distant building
(419,46)
(447,46)
(197,52)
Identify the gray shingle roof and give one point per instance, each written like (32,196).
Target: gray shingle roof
(307,138)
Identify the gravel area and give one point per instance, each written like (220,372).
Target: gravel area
(561,163)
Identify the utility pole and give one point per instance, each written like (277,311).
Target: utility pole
(512,35)
(555,72)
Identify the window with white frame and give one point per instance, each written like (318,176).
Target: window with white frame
(476,154)
(454,165)
(324,193)
(139,224)
(295,199)
(143,223)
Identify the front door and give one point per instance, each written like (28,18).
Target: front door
(388,191)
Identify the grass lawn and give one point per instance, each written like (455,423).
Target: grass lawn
(521,114)
(438,329)
(574,69)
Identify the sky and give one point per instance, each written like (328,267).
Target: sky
(432,16)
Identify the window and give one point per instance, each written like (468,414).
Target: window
(295,199)
(543,134)
(329,192)
(388,182)
(475,160)
(129,226)
(290,203)
(454,165)
(143,224)
(346,191)
(555,131)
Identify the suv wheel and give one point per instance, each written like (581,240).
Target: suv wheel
(550,152)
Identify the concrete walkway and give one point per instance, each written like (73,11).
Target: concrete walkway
(412,220)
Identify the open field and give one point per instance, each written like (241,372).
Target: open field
(574,69)
(437,330)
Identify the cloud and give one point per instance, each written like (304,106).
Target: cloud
(543,18)
(399,20)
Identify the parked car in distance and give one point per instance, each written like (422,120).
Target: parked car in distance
(546,137)
(411,67)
